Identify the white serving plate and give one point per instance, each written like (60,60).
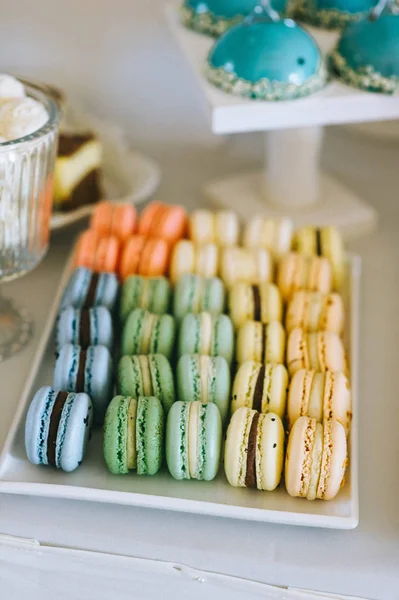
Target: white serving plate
(93,482)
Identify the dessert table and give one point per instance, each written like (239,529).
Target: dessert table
(182,548)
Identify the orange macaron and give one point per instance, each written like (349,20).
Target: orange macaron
(119,220)
(144,256)
(100,254)
(167,221)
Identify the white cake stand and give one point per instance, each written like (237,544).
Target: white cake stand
(291,182)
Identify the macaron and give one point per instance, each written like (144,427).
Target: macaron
(151,293)
(195,294)
(326,242)
(144,256)
(260,387)
(188,257)
(147,375)
(273,234)
(316,459)
(89,371)
(253,265)
(334,14)
(87,289)
(146,333)
(96,252)
(167,221)
(134,435)
(321,351)
(313,311)
(298,272)
(220,227)
(320,396)
(193,440)
(110,218)
(254,450)
(204,379)
(254,302)
(206,334)
(57,428)
(88,327)
(263,343)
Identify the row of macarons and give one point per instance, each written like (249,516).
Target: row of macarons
(311,310)
(58,427)
(262,387)
(118,241)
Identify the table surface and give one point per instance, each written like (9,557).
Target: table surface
(336,103)
(363,562)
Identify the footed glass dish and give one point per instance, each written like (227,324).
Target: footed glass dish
(26,191)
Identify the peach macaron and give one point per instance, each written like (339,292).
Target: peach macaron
(144,256)
(167,221)
(101,254)
(119,220)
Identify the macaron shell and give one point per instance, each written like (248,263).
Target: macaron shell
(149,435)
(86,249)
(148,216)
(177,440)
(299,449)
(124,221)
(163,337)
(269,451)
(171,223)
(331,351)
(253,265)
(131,256)
(334,251)
(73,431)
(107,255)
(209,440)
(298,352)
(223,338)
(207,260)
(244,385)
(183,260)
(299,395)
(154,258)
(242,305)
(195,294)
(37,425)
(235,450)
(274,235)
(334,460)
(201,226)
(115,435)
(227,228)
(163,384)
(129,378)
(275,399)
(337,403)
(100,323)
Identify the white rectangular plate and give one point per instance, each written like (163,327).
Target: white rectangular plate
(92,481)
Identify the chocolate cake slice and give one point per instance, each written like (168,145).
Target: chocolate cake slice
(77,171)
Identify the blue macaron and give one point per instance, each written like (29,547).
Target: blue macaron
(91,327)
(86,289)
(89,371)
(57,428)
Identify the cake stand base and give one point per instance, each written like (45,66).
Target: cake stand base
(247,195)
(16,328)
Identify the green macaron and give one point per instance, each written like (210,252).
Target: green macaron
(147,333)
(195,294)
(207,334)
(149,375)
(133,435)
(150,293)
(193,440)
(204,379)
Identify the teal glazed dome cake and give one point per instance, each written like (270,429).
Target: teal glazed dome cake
(215,17)
(267,60)
(367,55)
(333,14)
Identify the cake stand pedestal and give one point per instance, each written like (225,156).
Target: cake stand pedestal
(291,183)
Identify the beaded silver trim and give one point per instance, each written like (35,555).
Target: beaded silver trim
(264,89)
(328,19)
(209,24)
(365,78)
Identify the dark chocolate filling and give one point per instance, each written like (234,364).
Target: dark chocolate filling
(86,191)
(258,393)
(319,251)
(69,144)
(257,303)
(84,329)
(91,292)
(53,427)
(264,342)
(250,477)
(80,377)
